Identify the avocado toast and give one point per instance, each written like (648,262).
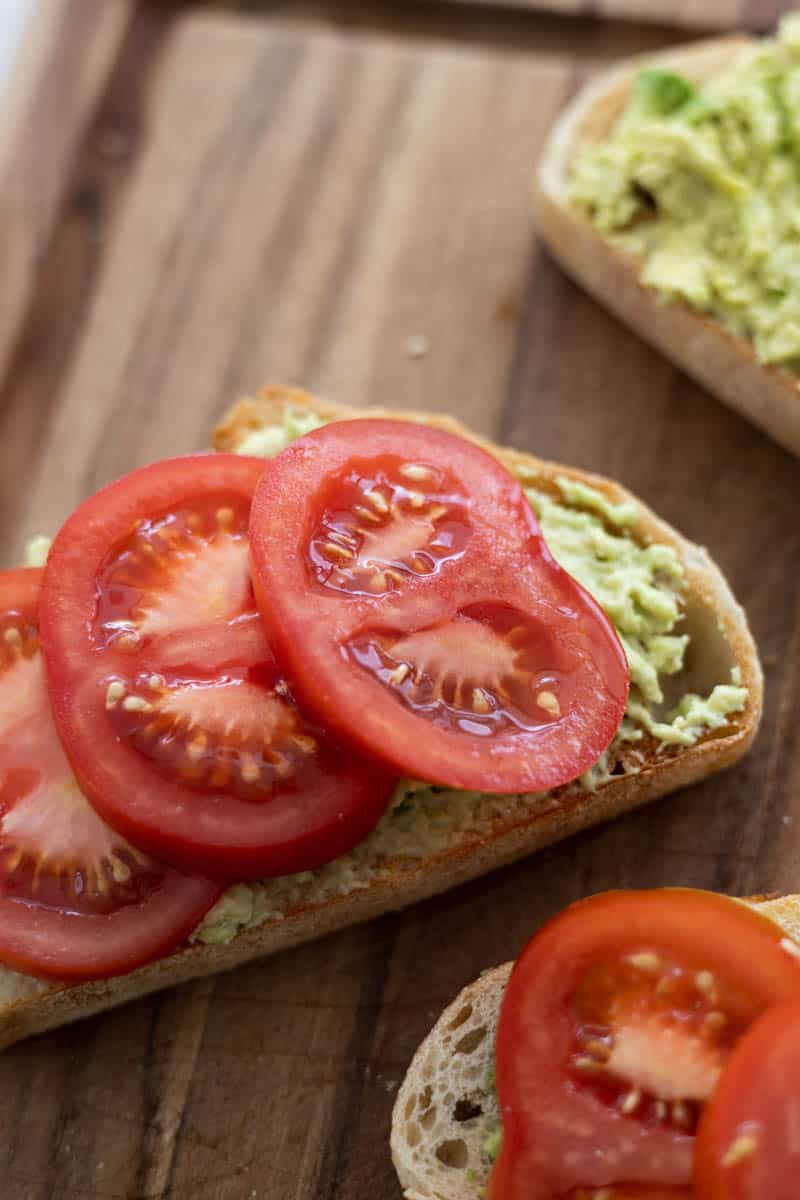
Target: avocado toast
(694,708)
(667,188)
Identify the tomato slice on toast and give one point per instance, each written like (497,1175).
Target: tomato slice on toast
(618,1019)
(412,601)
(178,723)
(748,1143)
(76,900)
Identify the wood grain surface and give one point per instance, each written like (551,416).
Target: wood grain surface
(693,14)
(64,63)
(243,202)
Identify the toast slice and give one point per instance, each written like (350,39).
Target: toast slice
(463,835)
(724,363)
(446,1117)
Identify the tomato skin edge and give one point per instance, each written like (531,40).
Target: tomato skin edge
(767,1054)
(200,896)
(357,708)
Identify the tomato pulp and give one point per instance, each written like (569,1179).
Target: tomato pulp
(617,1022)
(748,1144)
(76,900)
(177,721)
(413,602)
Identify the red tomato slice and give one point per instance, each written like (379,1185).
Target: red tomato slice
(616,1023)
(748,1143)
(76,900)
(414,604)
(167,698)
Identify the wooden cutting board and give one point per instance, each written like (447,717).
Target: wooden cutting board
(693,14)
(235,202)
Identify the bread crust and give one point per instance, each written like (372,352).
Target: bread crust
(484,996)
(722,362)
(470,855)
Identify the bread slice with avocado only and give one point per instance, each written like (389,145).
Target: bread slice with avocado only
(446,1123)
(694,708)
(724,361)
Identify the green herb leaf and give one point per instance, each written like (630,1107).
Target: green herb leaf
(660,93)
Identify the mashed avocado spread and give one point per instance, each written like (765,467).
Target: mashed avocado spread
(640,587)
(703,186)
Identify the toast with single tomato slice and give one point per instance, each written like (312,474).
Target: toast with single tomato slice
(723,362)
(432,838)
(446,1123)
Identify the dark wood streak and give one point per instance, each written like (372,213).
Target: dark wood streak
(781,761)
(338,1150)
(385,131)
(184,1015)
(27,1152)
(258,104)
(50,99)
(70,263)
(699,16)
(286,238)
(538,323)
(489,24)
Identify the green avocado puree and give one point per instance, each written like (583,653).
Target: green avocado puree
(702,185)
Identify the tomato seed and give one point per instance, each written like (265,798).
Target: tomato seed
(743,1147)
(115,692)
(704,982)
(645,962)
(549,702)
(416,472)
(377,501)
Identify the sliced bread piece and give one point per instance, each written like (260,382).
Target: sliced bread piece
(724,363)
(446,1122)
(430,841)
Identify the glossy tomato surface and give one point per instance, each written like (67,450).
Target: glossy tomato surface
(411,598)
(617,1021)
(748,1144)
(76,900)
(169,702)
